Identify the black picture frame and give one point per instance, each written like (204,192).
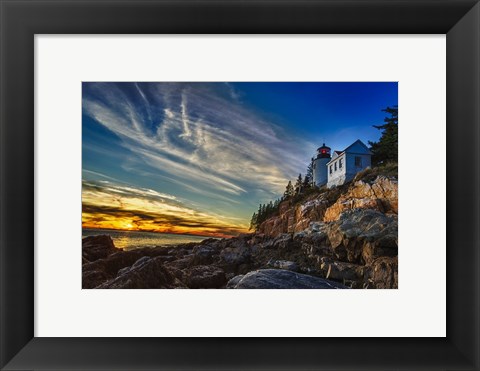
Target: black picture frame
(22,19)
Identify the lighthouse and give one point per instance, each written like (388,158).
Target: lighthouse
(320,174)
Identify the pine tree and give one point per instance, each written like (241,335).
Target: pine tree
(289,191)
(253,222)
(276,204)
(299,184)
(264,212)
(386,149)
(269,209)
(308,180)
(259,215)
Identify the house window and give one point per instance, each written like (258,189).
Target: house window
(331,167)
(335,166)
(358,161)
(340,163)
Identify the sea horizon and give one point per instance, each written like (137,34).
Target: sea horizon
(128,239)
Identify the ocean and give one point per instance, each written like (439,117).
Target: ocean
(129,240)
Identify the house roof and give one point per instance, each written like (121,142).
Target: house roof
(347,150)
(361,143)
(336,154)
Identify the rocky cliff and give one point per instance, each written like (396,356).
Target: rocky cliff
(380,195)
(346,237)
(349,233)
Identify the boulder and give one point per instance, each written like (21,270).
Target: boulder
(181,263)
(93,278)
(284,241)
(205,277)
(234,281)
(383,273)
(145,273)
(267,244)
(109,266)
(385,245)
(282,279)
(232,258)
(309,211)
(97,247)
(257,239)
(314,240)
(381,195)
(157,250)
(362,228)
(342,271)
(204,255)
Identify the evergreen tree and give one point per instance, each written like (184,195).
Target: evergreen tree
(308,180)
(270,209)
(264,212)
(276,204)
(289,191)
(386,149)
(253,222)
(299,184)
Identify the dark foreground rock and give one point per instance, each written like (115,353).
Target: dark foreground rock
(383,273)
(145,273)
(281,279)
(105,262)
(205,277)
(97,247)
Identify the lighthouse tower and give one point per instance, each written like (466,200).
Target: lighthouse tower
(320,165)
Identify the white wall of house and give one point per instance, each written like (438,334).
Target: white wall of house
(337,171)
(355,158)
(356,162)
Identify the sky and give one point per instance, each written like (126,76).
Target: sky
(198,158)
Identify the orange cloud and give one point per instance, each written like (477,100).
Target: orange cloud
(112,206)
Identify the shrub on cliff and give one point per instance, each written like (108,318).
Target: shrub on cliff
(390,170)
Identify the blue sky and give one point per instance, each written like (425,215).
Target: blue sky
(199,157)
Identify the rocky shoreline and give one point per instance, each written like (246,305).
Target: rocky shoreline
(341,238)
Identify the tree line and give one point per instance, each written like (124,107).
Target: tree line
(270,209)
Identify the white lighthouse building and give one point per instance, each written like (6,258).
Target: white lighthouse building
(320,175)
(342,166)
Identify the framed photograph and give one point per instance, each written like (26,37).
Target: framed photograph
(222,185)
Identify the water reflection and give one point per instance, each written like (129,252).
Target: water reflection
(128,240)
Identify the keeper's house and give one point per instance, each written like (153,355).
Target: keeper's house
(342,166)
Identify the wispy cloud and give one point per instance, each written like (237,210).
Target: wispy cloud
(189,132)
(234,93)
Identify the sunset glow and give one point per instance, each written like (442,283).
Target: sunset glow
(111,206)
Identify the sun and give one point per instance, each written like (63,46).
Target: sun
(129,226)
